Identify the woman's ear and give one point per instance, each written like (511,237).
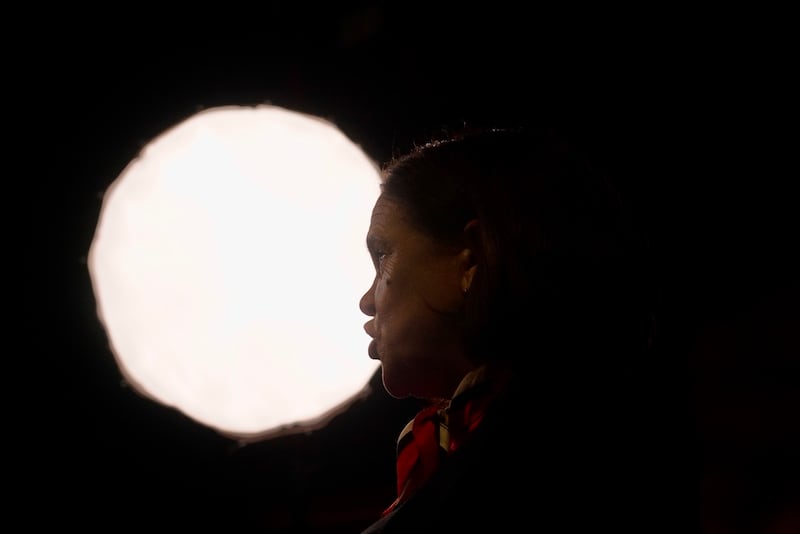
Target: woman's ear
(469,255)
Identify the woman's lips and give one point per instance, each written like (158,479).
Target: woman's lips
(373,350)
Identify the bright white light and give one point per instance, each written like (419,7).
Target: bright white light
(227,265)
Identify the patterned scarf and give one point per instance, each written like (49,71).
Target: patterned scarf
(440,429)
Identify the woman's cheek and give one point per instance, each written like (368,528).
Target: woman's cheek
(385,276)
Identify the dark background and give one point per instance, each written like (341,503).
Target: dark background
(691,112)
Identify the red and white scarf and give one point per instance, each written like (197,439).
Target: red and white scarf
(440,429)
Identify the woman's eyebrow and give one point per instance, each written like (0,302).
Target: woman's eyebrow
(375,243)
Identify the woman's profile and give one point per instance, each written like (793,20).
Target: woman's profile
(512,295)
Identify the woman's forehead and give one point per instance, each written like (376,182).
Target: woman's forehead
(385,215)
(384,203)
(389,208)
(388,221)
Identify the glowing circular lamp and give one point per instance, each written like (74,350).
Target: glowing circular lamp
(227,264)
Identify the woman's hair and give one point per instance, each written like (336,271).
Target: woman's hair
(561,267)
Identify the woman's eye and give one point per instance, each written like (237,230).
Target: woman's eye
(379,257)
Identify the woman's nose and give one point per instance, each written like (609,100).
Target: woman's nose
(367,302)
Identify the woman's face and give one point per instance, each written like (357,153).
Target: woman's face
(415,304)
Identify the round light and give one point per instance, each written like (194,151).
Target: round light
(227,264)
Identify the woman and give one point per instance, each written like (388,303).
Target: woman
(511,294)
